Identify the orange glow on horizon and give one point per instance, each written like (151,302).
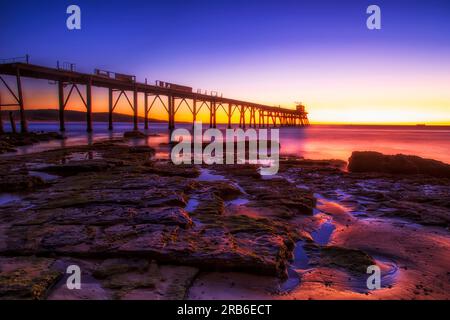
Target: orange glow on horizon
(381,104)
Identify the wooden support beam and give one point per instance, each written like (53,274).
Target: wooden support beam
(62,126)
(89,106)
(194,111)
(110,109)
(214,115)
(135,110)
(230,111)
(146,110)
(12,122)
(210,114)
(1,118)
(171,109)
(23,120)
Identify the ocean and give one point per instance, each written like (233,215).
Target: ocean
(313,142)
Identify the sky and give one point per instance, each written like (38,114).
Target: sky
(272,52)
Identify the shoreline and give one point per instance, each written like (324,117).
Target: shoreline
(141,227)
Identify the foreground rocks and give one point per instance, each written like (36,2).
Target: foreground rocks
(123,214)
(419,198)
(369,161)
(142,228)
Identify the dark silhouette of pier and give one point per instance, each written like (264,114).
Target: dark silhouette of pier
(122,86)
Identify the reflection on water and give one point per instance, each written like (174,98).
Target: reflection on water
(338,142)
(323,234)
(46,177)
(314,142)
(6,198)
(192,205)
(206,175)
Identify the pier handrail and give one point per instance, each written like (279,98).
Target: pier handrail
(25,58)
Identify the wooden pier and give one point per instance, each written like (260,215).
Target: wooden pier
(122,86)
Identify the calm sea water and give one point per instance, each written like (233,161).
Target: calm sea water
(314,142)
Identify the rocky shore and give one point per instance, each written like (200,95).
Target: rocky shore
(142,228)
(10,141)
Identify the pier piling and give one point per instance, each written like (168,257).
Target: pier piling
(12,122)
(62,127)
(89,106)
(110,109)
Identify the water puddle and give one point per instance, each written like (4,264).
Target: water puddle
(79,156)
(301,260)
(192,205)
(302,186)
(292,282)
(320,236)
(206,175)
(234,184)
(237,202)
(298,264)
(389,274)
(44,176)
(271,177)
(35,165)
(323,234)
(6,198)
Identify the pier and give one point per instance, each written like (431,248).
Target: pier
(122,86)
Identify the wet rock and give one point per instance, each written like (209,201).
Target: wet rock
(82,166)
(352,260)
(167,216)
(169,169)
(223,189)
(106,216)
(209,204)
(419,213)
(135,134)
(232,243)
(136,210)
(242,170)
(369,161)
(26,277)
(142,149)
(19,182)
(91,288)
(284,199)
(157,282)
(6,147)
(110,267)
(317,165)
(157,198)
(8,141)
